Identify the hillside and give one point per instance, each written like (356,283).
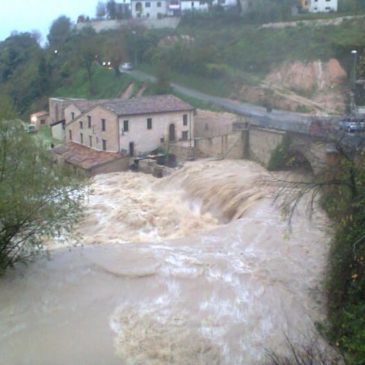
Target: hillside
(229,58)
(220,55)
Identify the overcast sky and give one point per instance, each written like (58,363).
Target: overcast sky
(29,15)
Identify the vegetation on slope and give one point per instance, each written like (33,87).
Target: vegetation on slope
(343,197)
(37,198)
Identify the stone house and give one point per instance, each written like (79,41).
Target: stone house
(39,119)
(57,108)
(131,127)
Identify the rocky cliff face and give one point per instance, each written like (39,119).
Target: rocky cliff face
(316,86)
(308,78)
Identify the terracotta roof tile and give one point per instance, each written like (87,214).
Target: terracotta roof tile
(147,105)
(84,157)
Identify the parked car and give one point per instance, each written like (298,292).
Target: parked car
(127,66)
(31,128)
(352,125)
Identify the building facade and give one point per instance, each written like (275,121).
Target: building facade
(317,6)
(40,119)
(131,127)
(153,9)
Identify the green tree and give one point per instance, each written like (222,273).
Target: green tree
(88,44)
(163,79)
(37,198)
(111,9)
(115,49)
(60,32)
(341,188)
(100,9)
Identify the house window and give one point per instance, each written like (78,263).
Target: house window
(90,141)
(184,135)
(104,145)
(43,121)
(192,4)
(149,123)
(103,128)
(158,4)
(81,138)
(125,125)
(70,135)
(162,140)
(185,119)
(148,4)
(81,125)
(89,121)
(72,115)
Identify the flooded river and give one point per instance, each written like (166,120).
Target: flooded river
(198,268)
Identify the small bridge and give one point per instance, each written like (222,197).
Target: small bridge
(311,140)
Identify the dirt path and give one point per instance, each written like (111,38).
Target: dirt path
(127,93)
(141,90)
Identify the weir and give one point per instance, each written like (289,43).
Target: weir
(195,268)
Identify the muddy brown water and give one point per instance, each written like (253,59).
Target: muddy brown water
(195,269)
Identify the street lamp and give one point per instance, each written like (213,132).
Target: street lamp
(135,47)
(354,54)
(353,80)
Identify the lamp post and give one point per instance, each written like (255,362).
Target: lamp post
(135,46)
(353,80)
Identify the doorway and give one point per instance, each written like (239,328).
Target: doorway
(131,149)
(172,135)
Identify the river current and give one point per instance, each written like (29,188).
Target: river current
(198,268)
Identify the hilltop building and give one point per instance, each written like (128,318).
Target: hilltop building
(317,6)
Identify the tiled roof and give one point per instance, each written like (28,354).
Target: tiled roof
(147,105)
(86,105)
(39,114)
(84,157)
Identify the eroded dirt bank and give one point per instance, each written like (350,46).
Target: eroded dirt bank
(197,268)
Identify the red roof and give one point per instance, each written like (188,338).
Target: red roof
(85,157)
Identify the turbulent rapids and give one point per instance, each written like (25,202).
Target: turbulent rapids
(194,269)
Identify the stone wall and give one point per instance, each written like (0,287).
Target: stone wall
(262,142)
(93,137)
(182,151)
(230,146)
(121,164)
(102,25)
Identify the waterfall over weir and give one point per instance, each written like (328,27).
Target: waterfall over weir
(194,269)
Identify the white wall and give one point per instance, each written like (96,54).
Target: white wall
(323,6)
(225,3)
(193,5)
(155,7)
(58,132)
(146,140)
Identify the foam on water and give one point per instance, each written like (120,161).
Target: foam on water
(195,269)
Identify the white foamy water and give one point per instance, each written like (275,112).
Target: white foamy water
(161,280)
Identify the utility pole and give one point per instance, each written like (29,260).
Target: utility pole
(353,81)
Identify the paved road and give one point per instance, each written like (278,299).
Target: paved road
(276,119)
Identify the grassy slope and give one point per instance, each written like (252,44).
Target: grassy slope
(247,53)
(105,85)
